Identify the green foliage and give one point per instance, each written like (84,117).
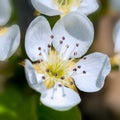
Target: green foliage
(49,114)
(19,105)
(15,105)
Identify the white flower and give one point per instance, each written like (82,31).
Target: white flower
(116,37)
(115,60)
(55,72)
(9,41)
(5,11)
(63,7)
(9,36)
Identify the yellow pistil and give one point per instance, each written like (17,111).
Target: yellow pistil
(65,5)
(3,30)
(56,70)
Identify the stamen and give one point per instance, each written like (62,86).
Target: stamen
(63,92)
(49,46)
(51,36)
(39,48)
(40,54)
(61,42)
(74,72)
(66,55)
(62,55)
(77,44)
(38,61)
(75,53)
(79,66)
(43,77)
(84,58)
(60,45)
(65,6)
(67,46)
(84,72)
(63,38)
(54,89)
(59,85)
(55,69)
(75,69)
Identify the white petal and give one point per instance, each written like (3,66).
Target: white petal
(116,37)
(45,7)
(76,29)
(5,11)
(9,42)
(38,36)
(88,6)
(34,79)
(114,5)
(60,98)
(91,72)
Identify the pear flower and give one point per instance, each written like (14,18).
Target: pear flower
(5,11)
(55,70)
(116,37)
(115,60)
(63,7)
(9,36)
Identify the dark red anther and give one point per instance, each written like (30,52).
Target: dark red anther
(63,38)
(40,54)
(79,66)
(51,36)
(77,44)
(61,42)
(84,72)
(39,48)
(84,58)
(59,85)
(75,69)
(49,46)
(67,46)
(75,53)
(43,77)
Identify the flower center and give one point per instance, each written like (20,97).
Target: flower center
(3,30)
(55,70)
(65,6)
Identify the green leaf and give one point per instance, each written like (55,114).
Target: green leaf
(46,113)
(16,104)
